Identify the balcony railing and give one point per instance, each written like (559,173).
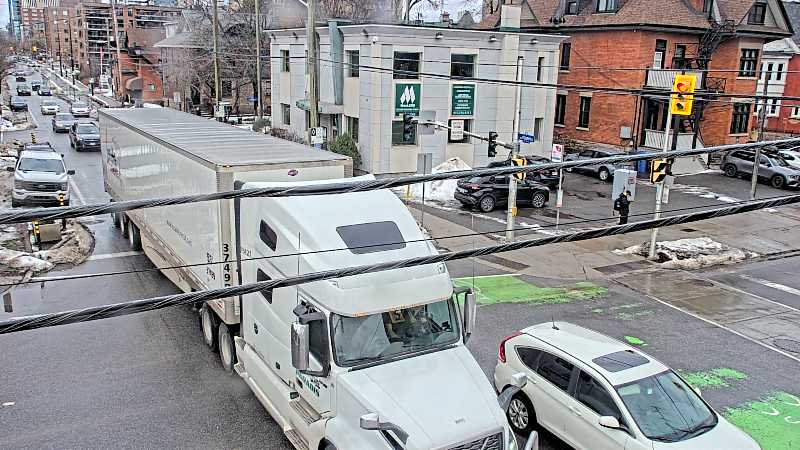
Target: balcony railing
(663,78)
(655,139)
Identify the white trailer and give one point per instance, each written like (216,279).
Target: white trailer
(149,153)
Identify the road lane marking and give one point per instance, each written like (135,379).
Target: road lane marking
(742,291)
(78,193)
(114,255)
(771,284)
(9,403)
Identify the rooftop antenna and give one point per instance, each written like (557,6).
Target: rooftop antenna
(554,321)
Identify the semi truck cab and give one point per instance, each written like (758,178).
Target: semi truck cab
(368,361)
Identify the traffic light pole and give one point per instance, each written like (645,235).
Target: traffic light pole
(512,181)
(660,188)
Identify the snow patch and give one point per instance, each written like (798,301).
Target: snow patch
(441,191)
(690,253)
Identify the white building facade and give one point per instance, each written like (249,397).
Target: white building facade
(371,75)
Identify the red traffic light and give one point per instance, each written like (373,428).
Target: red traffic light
(682,86)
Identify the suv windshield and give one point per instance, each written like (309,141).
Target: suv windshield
(385,335)
(665,408)
(41,165)
(86,129)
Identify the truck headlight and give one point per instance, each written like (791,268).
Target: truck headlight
(19,184)
(64,186)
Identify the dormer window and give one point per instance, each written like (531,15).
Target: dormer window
(606,6)
(757,14)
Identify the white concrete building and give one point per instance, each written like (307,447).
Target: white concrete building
(370,75)
(774,68)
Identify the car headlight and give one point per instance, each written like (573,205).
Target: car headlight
(64,186)
(794,177)
(19,184)
(511,440)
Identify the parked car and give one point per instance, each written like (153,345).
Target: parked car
(84,136)
(49,107)
(548,177)
(17,103)
(791,156)
(40,178)
(23,89)
(597,393)
(772,168)
(62,122)
(80,109)
(20,77)
(488,192)
(36,84)
(45,90)
(605,172)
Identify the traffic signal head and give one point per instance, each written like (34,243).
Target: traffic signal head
(661,168)
(682,96)
(408,127)
(492,144)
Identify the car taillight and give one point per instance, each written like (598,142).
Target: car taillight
(501,355)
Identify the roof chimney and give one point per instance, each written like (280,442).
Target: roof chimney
(510,15)
(445,17)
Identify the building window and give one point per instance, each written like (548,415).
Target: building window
(537,128)
(741,118)
(660,53)
(747,62)
(286,114)
(561,109)
(773,107)
(757,14)
(769,71)
(795,112)
(151,87)
(464,137)
(406,65)
(462,65)
(583,115)
(566,47)
(604,6)
(572,7)
(352,127)
(539,66)
(779,72)
(352,64)
(401,138)
(284,60)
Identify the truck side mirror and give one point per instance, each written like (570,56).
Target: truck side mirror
(300,346)
(470,311)
(10,169)
(71,172)
(533,442)
(371,421)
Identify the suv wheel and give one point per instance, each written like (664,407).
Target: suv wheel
(521,415)
(603,174)
(778,182)
(538,200)
(730,170)
(486,203)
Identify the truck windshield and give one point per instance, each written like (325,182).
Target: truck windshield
(386,335)
(41,165)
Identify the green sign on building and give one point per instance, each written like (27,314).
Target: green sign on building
(463,100)
(407,97)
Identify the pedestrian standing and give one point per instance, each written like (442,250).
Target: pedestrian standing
(623,206)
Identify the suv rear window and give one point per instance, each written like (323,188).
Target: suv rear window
(371,237)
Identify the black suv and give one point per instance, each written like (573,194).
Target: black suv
(488,192)
(548,177)
(84,136)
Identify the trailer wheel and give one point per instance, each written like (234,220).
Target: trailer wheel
(123,224)
(134,238)
(208,326)
(116,220)
(227,352)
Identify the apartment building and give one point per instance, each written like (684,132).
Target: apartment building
(641,45)
(780,72)
(61,36)
(373,74)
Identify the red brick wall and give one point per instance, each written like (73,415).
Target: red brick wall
(784,123)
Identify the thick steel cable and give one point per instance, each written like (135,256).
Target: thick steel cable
(17,324)
(66,212)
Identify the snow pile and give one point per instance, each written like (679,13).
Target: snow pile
(23,262)
(691,253)
(438,191)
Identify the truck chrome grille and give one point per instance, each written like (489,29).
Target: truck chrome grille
(42,187)
(491,442)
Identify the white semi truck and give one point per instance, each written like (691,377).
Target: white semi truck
(373,361)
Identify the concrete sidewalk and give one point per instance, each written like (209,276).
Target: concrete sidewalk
(764,232)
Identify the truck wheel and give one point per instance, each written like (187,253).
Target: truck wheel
(208,326)
(123,224)
(329,446)
(134,238)
(521,415)
(227,352)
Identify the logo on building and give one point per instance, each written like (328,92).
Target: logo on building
(407,99)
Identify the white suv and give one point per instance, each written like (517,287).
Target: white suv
(596,393)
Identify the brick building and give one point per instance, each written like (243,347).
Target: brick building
(780,71)
(641,45)
(60,29)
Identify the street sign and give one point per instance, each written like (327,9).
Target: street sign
(557,154)
(624,180)
(669,180)
(407,97)
(252,99)
(456,130)
(318,135)
(526,137)
(463,100)
(560,198)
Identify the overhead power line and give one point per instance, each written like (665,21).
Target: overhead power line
(18,324)
(343,187)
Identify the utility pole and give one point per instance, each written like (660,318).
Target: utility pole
(215,26)
(71,52)
(660,186)
(512,181)
(259,105)
(762,118)
(311,66)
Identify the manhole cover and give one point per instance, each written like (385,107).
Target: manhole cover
(790,345)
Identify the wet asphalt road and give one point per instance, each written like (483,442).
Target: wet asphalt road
(147,381)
